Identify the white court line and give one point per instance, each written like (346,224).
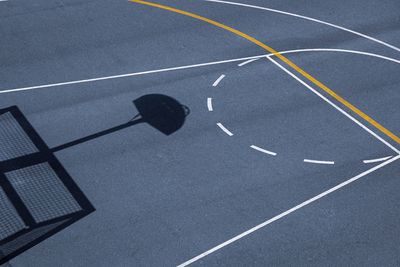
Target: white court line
(263,150)
(334,105)
(126,75)
(339,50)
(308,18)
(247,62)
(209,104)
(376,160)
(286,213)
(223,128)
(5,91)
(218,80)
(319,161)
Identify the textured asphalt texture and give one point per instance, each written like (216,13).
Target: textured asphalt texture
(161,200)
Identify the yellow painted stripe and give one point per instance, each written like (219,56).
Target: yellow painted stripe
(284,59)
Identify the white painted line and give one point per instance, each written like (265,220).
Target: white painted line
(247,62)
(224,129)
(319,161)
(126,75)
(218,80)
(334,105)
(308,18)
(3,0)
(4,91)
(376,160)
(286,213)
(209,104)
(339,50)
(263,150)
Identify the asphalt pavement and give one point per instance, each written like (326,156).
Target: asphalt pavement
(257,141)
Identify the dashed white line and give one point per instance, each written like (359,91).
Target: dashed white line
(319,161)
(218,80)
(247,62)
(223,128)
(286,213)
(263,150)
(376,160)
(209,104)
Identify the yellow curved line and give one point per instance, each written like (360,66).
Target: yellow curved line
(284,59)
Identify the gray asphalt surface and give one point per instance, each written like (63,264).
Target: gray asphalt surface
(161,200)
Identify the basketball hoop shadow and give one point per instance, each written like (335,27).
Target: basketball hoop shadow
(38,198)
(162,112)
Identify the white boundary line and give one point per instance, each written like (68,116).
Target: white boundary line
(286,213)
(126,75)
(334,105)
(218,80)
(339,50)
(223,128)
(5,91)
(376,160)
(247,62)
(319,161)
(209,104)
(263,150)
(308,18)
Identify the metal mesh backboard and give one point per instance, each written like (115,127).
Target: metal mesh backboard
(37,196)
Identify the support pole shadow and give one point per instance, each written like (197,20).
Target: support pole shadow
(162,112)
